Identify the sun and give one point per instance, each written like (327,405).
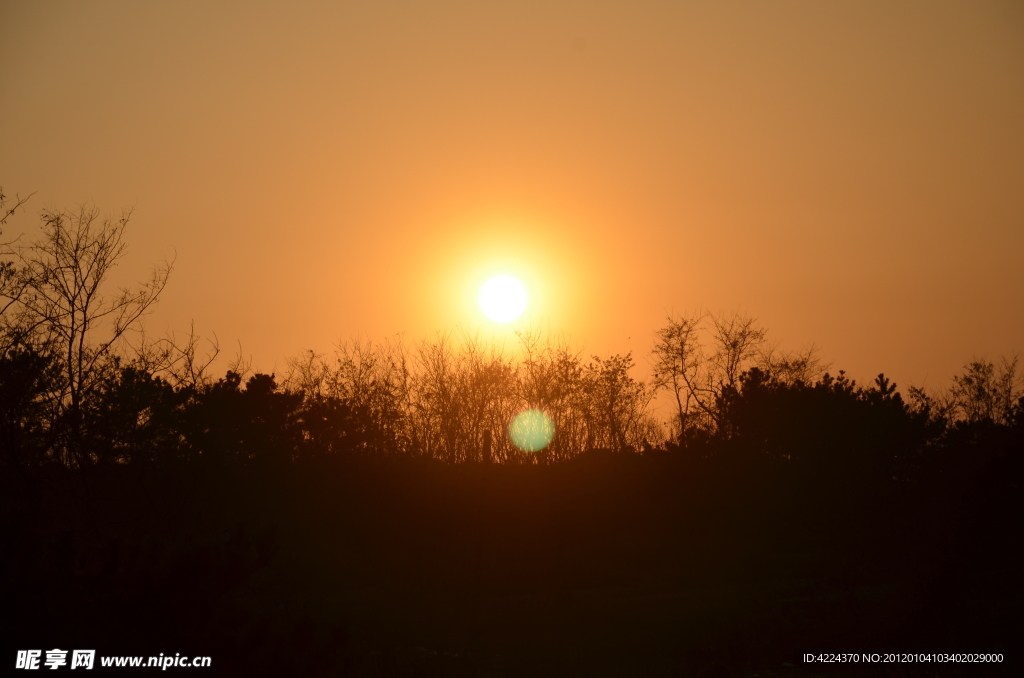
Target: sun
(503,298)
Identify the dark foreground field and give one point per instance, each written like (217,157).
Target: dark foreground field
(605,565)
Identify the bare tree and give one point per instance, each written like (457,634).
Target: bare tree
(618,404)
(986,390)
(8,212)
(64,304)
(179,359)
(738,340)
(461,396)
(791,367)
(551,378)
(698,376)
(372,378)
(12,283)
(678,362)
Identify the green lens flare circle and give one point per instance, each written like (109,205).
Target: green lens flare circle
(531,431)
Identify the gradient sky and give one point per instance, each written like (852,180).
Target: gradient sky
(850,173)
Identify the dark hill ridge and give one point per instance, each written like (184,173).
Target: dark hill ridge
(663,563)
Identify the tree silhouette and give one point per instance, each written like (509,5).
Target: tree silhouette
(26,407)
(619,405)
(12,280)
(62,306)
(986,390)
(699,357)
(678,361)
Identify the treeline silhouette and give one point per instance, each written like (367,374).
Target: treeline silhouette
(366,513)
(372,403)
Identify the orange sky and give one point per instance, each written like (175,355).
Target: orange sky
(852,174)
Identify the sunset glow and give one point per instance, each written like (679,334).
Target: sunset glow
(512,338)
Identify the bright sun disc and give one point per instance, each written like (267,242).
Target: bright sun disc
(503,298)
